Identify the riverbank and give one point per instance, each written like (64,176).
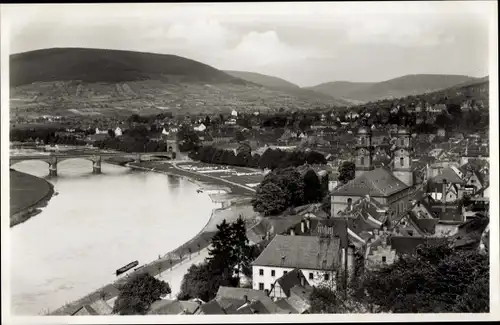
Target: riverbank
(233,205)
(28,194)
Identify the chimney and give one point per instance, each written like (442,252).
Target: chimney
(302,226)
(376,233)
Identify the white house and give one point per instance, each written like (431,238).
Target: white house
(234,113)
(118,131)
(200,128)
(318,259)
(164,132)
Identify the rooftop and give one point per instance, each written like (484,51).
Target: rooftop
(378,182)
(304,252)
(447,174)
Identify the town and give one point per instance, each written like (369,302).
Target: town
(347,192)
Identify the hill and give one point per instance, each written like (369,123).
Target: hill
(79,81)
(112,66)
(291,88)
(262,79)
(341,89)
(393,88)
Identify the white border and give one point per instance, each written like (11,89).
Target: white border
(494,222)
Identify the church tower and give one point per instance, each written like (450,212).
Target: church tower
(364,150)
(402,157)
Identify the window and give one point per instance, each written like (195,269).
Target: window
(261,286)
(285,272)
(362,160)
(327,276)
(410,232)
(311,276)
(401,161)
(384,259)
(273,273)
(261,272)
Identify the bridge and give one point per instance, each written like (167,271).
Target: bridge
(95,157)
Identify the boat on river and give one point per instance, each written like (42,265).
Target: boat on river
(127,267)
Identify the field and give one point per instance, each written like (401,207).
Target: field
(240,175)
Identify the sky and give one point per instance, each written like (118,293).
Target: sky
(304,43)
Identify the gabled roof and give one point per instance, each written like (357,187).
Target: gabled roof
(101,307)
(447,174)
(285,305)
(378,183)
(173,307)
(300,299)
(211,308)
(225,293)
(408,245)
(291,279)
(85,311)
(304,252)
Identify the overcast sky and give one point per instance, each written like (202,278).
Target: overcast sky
(305,43)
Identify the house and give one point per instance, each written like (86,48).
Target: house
(98,307)
(317,258)
(473,178)
(200,128)
(173,307)
(379,184)
(441,133)
(118,132)
(210,308)
(282,286)
(233,299)
(234,113)
(96,137)
(446,187)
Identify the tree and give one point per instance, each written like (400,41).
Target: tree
(347,171)
(137,295)
(240,136)
(111,133)
(241,248)
(269,199)
(312,187)
(229,249)
(201,282)
(437,278)
(188,139)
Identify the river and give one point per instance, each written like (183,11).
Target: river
(96,224)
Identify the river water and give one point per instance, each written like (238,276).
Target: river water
(95,225)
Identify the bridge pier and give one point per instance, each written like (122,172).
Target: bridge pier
(96,166)
(53,169)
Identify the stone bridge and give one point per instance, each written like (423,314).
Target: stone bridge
(95,157)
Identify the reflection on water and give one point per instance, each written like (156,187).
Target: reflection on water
(95,225)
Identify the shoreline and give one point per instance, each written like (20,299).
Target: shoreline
(176,256)
(34,208)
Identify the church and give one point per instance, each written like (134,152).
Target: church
(390,188)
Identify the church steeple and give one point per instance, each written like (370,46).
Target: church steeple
(403,169)
(364,152)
